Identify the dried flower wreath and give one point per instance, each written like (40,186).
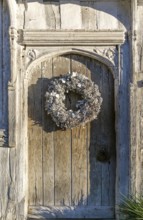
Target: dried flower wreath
(87,109)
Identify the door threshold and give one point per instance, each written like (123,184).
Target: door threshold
(71,212)
(70,218)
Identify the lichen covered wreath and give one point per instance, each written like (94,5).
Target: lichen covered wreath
(87,109)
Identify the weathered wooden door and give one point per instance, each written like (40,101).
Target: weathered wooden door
(72,172)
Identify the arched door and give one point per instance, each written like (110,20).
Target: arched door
(72,172)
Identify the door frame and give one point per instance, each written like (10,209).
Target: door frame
(109,53)
(121,158)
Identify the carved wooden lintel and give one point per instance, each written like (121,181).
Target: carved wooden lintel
(70,38)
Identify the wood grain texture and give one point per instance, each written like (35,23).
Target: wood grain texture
(62,147)
(47,140)
(105,129)
(52,12)
(108,135)
(35,139)
(94,130)
(71,174)
(77,15)
(79,147)
(79,166)
(102,133)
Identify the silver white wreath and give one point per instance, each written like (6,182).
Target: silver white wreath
(87,109)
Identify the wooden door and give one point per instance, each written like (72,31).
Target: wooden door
(72,172)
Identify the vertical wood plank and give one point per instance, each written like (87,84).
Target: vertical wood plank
(79,166)
(94,132)
(102,134)
(105,131)
(47,141)
(112,139)
(35,139)
(62,147)
(106,136)
(79,147)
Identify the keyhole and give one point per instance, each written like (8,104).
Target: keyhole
(102,155)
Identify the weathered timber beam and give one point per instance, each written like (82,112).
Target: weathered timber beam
(12,7)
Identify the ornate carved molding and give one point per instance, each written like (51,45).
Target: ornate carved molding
(109,53)
(89,52)
(70,38)
(31,54)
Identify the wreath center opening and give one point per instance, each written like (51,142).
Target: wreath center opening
(72,99)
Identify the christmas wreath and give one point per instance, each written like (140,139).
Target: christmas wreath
(87,109)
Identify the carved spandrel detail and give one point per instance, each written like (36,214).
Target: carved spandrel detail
(31,54)
(109,53)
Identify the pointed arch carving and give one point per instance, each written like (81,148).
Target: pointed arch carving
(87,53)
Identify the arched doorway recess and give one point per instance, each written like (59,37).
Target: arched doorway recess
(71,172)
